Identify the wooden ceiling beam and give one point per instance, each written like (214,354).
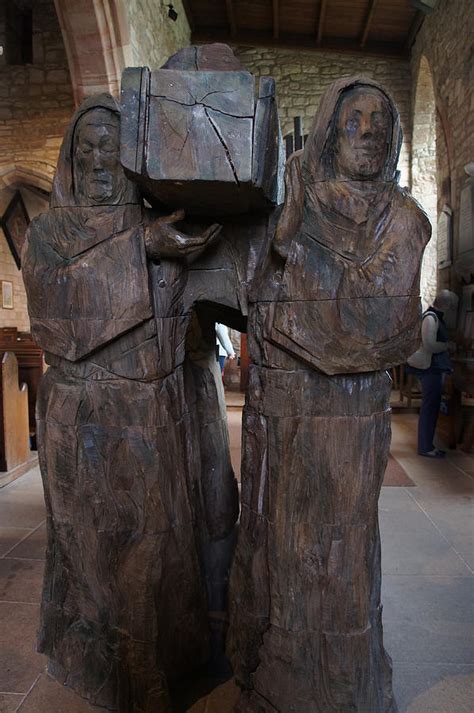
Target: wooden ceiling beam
(414,28)
(276,19)
(368,22)
(231,17)
(189,15)
(249,38)
(321,18)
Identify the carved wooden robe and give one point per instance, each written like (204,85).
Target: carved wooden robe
(124,608)
(141,497)
(335,305)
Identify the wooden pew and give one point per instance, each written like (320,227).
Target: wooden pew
(14,428)
(30,367)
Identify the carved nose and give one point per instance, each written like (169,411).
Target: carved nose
(96,159)
(365,127)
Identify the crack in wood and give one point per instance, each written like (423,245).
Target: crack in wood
(200,103)
(186,138)
(227,152)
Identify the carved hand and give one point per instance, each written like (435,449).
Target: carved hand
(163,240)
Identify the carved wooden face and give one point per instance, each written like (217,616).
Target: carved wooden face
(364,125)
(99,176)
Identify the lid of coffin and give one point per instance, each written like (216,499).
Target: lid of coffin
(202,139)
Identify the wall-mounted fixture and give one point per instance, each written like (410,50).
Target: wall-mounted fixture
(172,14)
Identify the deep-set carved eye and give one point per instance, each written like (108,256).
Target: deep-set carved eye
(109,148)
(353,123)
(379,118)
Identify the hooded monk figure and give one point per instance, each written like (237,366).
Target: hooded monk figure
(124,606)
(337,304)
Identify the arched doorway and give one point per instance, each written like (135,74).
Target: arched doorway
(423,171)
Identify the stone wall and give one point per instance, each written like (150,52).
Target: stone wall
(443,178)
(35,106)
(445,41)
(424,172)
(36,99)
(302,77)
(153,35)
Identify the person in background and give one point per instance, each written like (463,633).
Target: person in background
(430,363)
(235,336)
(224,346)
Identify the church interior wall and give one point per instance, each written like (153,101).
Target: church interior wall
(445,41)
(36,99)
(36,103)
(424,171)
(147,24)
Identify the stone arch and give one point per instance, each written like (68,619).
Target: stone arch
(96,37)
(423,170)
(34,181)
(38,174)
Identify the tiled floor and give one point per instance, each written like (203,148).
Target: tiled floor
(428,587)
(22,543)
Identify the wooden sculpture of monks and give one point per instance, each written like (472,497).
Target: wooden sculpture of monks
(111,296)
(124,606)
(335,305)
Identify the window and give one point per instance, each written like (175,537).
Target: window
(18,32)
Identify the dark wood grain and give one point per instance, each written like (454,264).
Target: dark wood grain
(267,161)
(131,503)
(134,453)
(134,88)
(210,149)
(215,57)
(334,304)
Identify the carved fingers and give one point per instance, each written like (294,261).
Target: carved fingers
(163,241)
(174,217)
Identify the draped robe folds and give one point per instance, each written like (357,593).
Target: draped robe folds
(140,494)
(124,608)
(335,305)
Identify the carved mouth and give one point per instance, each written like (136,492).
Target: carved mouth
(372,148)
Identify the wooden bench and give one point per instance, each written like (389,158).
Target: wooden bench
(30,367)
(14,427)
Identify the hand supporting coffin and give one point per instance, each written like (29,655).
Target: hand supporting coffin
(163,240)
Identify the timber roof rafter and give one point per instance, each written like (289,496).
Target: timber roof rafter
(383,27)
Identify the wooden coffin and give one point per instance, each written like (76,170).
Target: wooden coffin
(201,141)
